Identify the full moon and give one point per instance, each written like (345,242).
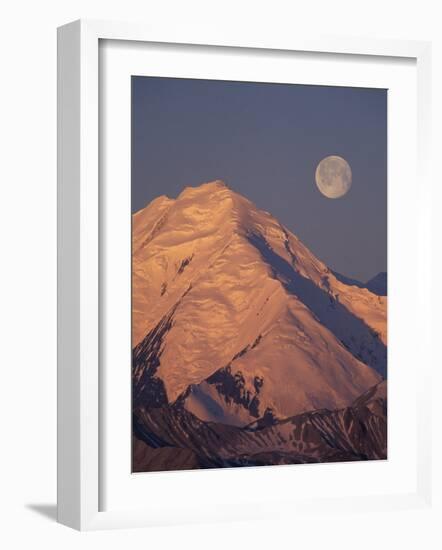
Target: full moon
(333,177)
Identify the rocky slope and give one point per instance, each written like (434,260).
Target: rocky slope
(170,437)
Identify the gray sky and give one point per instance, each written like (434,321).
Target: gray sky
(265,141)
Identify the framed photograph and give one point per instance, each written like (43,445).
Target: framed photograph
(243,276)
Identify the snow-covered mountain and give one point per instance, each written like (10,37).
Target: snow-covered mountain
(236,321)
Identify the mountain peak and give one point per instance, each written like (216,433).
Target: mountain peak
(217,183)
(206,187)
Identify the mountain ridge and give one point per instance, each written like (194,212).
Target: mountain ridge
(357,432)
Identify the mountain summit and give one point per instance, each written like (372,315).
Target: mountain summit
(235,320)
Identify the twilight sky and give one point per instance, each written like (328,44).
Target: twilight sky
(265,141)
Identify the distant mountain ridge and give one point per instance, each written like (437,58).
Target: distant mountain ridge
(235,321)
(377,284)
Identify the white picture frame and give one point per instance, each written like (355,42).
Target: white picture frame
(79,323)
